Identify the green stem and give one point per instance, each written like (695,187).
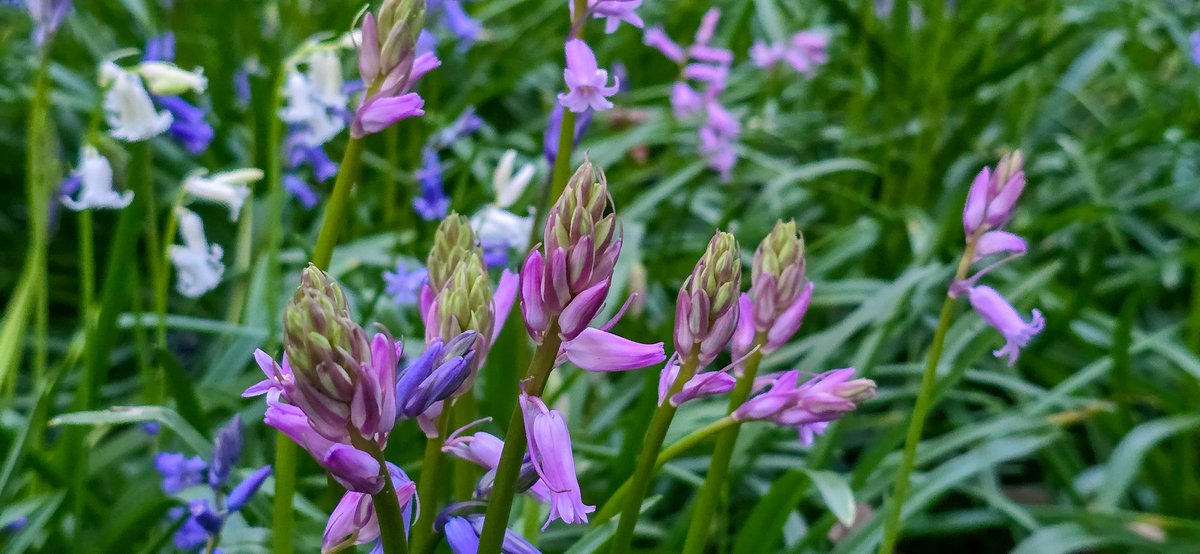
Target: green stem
(336,208)
(669,453)
(275,201)
(283,517)
(465,473)
(925,397)
(660,422)
(718,466)
(429,484)
(495,520)
(387,509)
(559,174)
(87,264)
(241,264)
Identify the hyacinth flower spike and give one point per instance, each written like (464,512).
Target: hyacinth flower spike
(390,66)
(550,451)
(990,204)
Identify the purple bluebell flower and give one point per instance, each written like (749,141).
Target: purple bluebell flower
(808,407)
(554,125)
(465,28)
(15,524)
(188,126)
(1001,315)
(298,188)
(993,195)
(805,52)
(390,67)
(179,471)
(354,521)
(1194,38)
(227,447)
(550,450)
(658,39)
(48,16)
(241,494)
(404,284)
(484,449)
(613,12)
(462,535)
(432,203)
(708,383)
(191,536)
(151,428)
(587,84)
(300,153)
(160,48)
(599,350)
(436,374)
(466,123)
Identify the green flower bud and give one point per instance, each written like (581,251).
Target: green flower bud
(453,244)
(323,343)
(706,311)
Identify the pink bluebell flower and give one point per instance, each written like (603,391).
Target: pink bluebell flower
(587,84)
(658,39)
(550,450)
(993,195)
(484,450)
(354,520)
(1001,315)
(805,51)
(390,65)
(613,12)
(808,407)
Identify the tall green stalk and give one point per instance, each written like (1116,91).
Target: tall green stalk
(430,481)
(925,396)
(283,520)
(660,422)
(499,507)
(718,466)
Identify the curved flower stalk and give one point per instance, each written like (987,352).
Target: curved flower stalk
(549,443)
(390,66)
(770,314)
(203,519)
(128,108)
(95,182)
(706,315)
(989,206)
(708,66)
(197,263)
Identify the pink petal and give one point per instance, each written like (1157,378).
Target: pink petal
(596,350)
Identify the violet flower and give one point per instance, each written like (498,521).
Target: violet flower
(179,471)
(189,126)
(390,66)
(804,52)
(434,376)
(484,450)
(998,313)
(354,520)
(1194,38)
(550,450)
(466,30)
(613,12)
(587,84)
(48,16)
(432,203)
(808,407)
(404,284)
(462,534)
(993,195)
(299,189)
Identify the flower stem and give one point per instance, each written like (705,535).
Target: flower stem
(285,488)
(500,501)
(429,485)
(669,453)
(559,173)
(891,525)
(336,208)
(718,466)
(465,475)
(391,522)
(660,422)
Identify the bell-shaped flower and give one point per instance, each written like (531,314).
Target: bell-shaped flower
(484,450)
(435,375)
(685,101)
(179,471)
(167,79)
(808,407)
(506,185)
(707,383)
(613,12)
(354,520)
(599,350)
(227,447)
(241,494)
(404,283)
(128,108)
(312,121)
(228,187)
(1001,315)
(587,84)
(197,263)
(550,451)
(998,242)
(96,184)
(462,535)
(189,127)
(354,469)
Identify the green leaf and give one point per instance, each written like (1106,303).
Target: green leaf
(595,539)
(180,384)
(1126,459)
(836,493)
(769,515)
(35,524)
(139,414)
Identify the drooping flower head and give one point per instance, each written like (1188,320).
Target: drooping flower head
(587,84)
(230,188)
(95,177)
(197,263)
(1001,315)
(128,108)
(808,407)
(342,380)
(390,66)
(354,520)
(779,291)
(550,451)
(706,310)
(582,241)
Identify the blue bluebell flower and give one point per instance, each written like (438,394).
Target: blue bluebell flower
(241,87)
(179,471)
(188,127)
(404,284)
(298,188)
(432,203)
(450,13)
(227,447)
(160,48)
(466,123)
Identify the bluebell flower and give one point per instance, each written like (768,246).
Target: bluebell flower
(241,87)
(1195,39)
(190,536)
(300,189)
(404,284)
(466,123)
(432,203)
(48,16)
(188,127)
(495,253)
(450,13)
(550,138)
(242,493)
(179,471)
(227,447)
(300,153)
(160,48)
